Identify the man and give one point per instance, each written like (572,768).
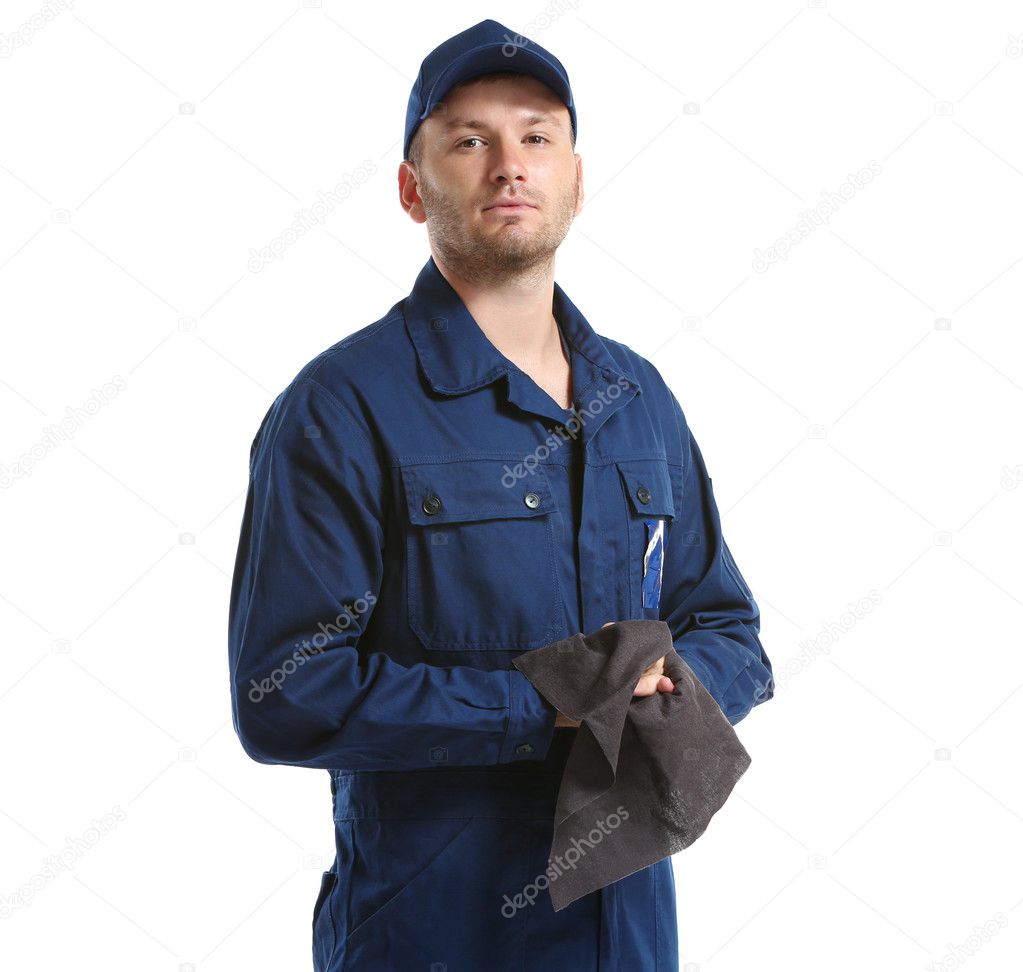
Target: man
(476,474)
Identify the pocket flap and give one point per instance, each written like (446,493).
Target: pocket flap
(474,489)
(648,484)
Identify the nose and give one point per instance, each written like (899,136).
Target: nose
(508,161)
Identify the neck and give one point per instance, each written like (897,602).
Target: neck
(515,312)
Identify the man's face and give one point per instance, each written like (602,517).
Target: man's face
(505,140)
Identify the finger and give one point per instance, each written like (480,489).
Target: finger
(647,685)
(650,684)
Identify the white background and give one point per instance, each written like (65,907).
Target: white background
(858,404)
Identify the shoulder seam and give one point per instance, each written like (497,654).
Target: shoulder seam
(351,340)
(356,423)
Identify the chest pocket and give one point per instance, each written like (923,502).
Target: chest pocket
(480,558)
(649,509)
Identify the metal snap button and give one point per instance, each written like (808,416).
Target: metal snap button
(532,500)
(643,494)
(524,750)
(431,505)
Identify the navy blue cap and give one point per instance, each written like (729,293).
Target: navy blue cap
(487,47)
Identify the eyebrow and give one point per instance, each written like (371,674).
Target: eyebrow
(534,119)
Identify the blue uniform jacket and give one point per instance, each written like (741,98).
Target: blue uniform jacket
(419,512)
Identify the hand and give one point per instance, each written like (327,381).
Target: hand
(653,678)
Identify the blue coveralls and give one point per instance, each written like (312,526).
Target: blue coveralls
(419,512)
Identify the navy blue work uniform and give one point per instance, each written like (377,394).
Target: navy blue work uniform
(419,512)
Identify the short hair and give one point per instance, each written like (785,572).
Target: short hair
(415,149)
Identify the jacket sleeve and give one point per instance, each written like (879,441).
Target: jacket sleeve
(713,617)
(305,690)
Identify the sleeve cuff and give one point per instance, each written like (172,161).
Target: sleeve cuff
(530,721)
(746,691)
(700,672)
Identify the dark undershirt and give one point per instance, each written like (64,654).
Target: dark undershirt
(574,454)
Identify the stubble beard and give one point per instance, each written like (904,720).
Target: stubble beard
(507,252)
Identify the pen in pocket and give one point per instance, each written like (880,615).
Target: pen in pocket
(652,558)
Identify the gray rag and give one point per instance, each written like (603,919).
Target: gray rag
(645,773)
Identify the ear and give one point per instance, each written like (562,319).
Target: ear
(582,191)
(408,192)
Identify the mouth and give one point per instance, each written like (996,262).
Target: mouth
(509,207)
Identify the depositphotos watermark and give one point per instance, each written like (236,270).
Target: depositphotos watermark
(543,20)
(58,432)
(830,633)
(314,215)
(26,33)
(1012,477)
(565,431)
(573,855)
(810,219)
(61,862)
(957,955)
(306,649)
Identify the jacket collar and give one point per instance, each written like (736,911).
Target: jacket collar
(457,357)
